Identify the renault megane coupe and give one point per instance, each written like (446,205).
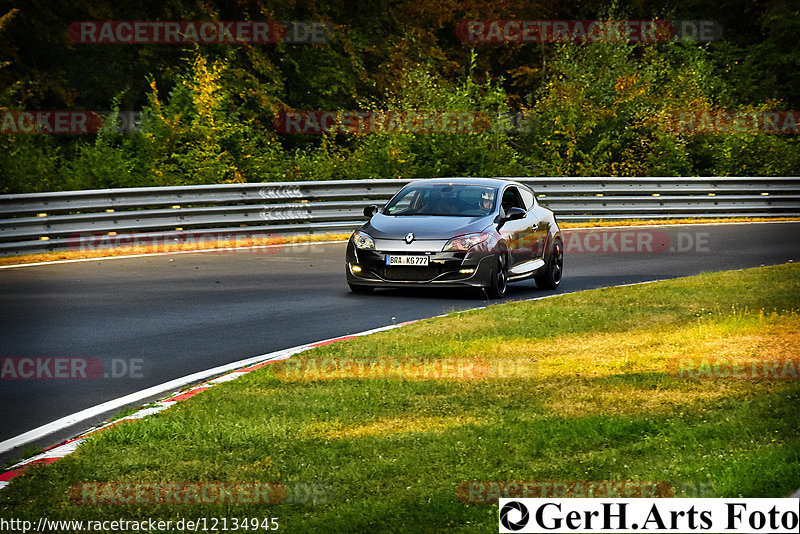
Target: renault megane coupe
(451,232)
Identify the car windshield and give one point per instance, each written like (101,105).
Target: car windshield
(443,199)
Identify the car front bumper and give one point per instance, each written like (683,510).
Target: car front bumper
(445,269)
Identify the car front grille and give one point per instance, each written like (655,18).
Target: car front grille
(407,273)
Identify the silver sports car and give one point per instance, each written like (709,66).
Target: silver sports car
(447,232)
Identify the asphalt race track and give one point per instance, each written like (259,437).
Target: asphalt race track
(152,319)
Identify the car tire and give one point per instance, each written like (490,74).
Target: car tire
(499,283)
(364,290)
(550,277)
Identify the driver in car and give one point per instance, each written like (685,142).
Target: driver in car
(486,202)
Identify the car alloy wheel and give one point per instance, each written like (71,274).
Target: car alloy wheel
(550,278)
(557,262)
(497,289)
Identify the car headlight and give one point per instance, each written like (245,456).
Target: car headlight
(363,241)
(463,243)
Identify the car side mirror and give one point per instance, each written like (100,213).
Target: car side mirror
(369,211)
(515,213)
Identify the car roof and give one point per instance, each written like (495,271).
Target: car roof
(493,182)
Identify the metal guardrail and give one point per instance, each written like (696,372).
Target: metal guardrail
(41,222)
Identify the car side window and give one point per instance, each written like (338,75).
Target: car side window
(527,197)
(511,199)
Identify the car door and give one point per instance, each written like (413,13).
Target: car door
(539,229)
(517,233)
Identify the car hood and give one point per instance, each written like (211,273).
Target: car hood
(424,226)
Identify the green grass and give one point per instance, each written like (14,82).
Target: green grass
(578,390)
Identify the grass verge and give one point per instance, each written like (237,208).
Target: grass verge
(580,387)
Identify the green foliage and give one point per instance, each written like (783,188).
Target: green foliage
(486,151)
(194,136)
(207,110)
(30,163)
(612,110)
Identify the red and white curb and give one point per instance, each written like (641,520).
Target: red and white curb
(232,372)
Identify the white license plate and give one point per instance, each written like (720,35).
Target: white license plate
(421,261)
